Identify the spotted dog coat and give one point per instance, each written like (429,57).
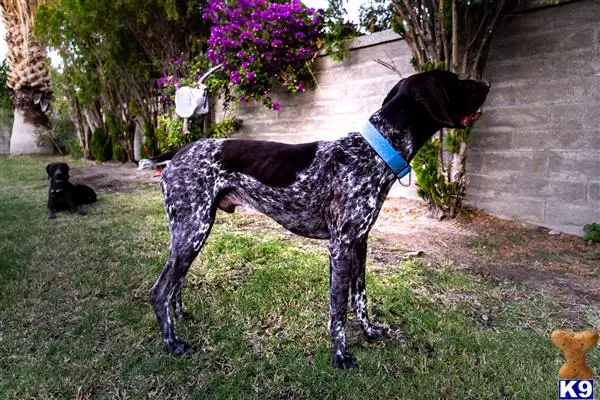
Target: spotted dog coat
(324,190)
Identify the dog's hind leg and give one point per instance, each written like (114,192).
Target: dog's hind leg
(358,296)
(189,230)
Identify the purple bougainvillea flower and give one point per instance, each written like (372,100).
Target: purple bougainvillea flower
(276,106)
(235,77)
(260,42)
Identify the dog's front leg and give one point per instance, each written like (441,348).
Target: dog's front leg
(51,212)
(342,256)
(177,302)
(358,293)
(70,202)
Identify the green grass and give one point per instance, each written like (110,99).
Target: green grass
(75,321)
(487,245)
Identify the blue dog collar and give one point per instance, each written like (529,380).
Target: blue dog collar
(385,150)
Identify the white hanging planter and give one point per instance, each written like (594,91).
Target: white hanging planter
(193,101)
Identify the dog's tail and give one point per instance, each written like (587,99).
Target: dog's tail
(158,160)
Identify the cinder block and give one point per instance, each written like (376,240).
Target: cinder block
(564,214)
(540,91)
(524,68)
(504,48)
(491,185)
(582,63)
(491,139)
(523,209)
(578,37)
(475,162)
(533,162)
(571,191)
(576,13)
(502,96)
(523,184)
(576,117)
(554,139)
(540,43)
(537,117)
(516,24)
(576,90)
(593,191)
(579,164)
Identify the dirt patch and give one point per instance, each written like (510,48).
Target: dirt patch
(113,177)
(562,266)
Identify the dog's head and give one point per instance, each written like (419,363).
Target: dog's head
(58,173)
(450,102)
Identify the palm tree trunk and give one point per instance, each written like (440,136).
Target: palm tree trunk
(28,78)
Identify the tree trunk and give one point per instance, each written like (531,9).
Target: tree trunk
(28,78)
(25,135)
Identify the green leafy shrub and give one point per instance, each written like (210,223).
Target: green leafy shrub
(73,147)
(118,152)
(169,132)
(338,32)
(148,145)
(225,128)
(453,139)
(5,101)
(432,186)
(591,232)
(100,146)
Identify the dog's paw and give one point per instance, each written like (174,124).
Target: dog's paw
(180,314)
(376,333)
(51,216)
(178,347)
(343,359)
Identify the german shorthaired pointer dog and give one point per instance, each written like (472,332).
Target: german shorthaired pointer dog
(323,190)
(62,194)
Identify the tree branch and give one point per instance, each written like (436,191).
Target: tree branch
(454,36)
(475,70)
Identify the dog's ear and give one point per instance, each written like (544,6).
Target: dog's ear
(432,95)
(392,93)
(49,169)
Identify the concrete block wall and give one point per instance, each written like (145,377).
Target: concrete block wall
(535,154)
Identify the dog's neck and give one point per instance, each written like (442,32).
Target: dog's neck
(405,126)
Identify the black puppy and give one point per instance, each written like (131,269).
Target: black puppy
(62,194)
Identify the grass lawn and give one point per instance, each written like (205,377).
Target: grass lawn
(75,321)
